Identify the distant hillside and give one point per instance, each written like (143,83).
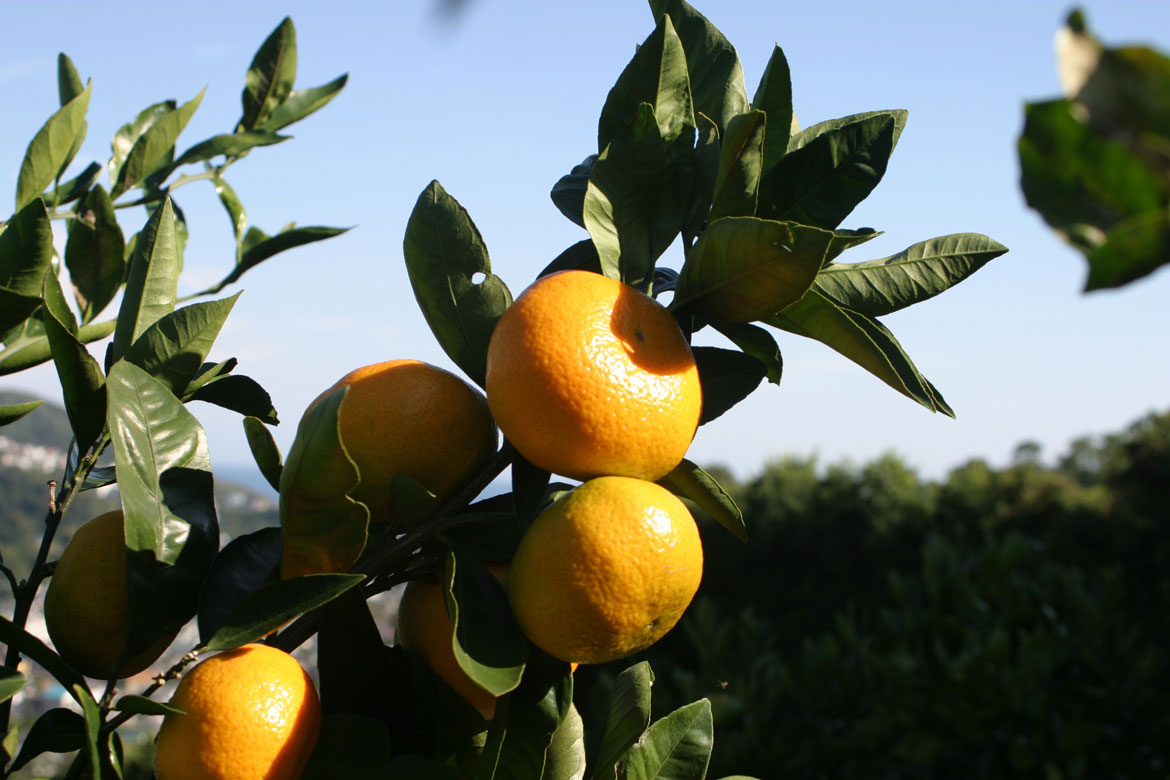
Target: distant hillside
(32,452)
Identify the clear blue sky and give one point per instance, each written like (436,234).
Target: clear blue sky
(502,101)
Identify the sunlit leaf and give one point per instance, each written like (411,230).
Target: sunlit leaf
(774,97)
(690,481)
(51,148)
(154,147)
(628,719)
(13,412)
(452,279)
(302,102)
(141,705)
(31,347)
(740,165)
(152,280)
(11,683)
(264,450)
(129,133)
(565,758)
(270,77)
(677,747)
(174,347)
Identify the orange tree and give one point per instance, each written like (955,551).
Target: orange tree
(684,154)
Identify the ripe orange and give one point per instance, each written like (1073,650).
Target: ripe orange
(250,714)
(409,417)
(586,376)
(424,627)
(606,571)
(86,611)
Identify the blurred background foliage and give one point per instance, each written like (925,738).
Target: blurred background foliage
(998,622)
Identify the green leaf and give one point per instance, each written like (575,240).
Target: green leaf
(745,269)
(302,102)
(581,256)
(821,182)
(242,567)
(324,529)
(93,725)
(235,211)
(270,77)
(847,239)
(774,97)
(565,759)
(262,247)
(173,348)
(740,165)
(13,412)
(141,705)
(917,273)
(11,683)
(68,81)
(628,719)
(165,486)
(758,343)
(31,347)
(79,185)
(51,149)
(630,211)
(452,279)
(26,253)
(1132,248)
(154,147)
(863,340)
(152,280)
(82,382)
(677,747)
(706,170)
(264,450)
(802,138)
(56,731)
(727,377)
(656,76)
(716,76)
(487,642)
(31,647)
(94,254)
(237,393)
(277,603)
(15,308)
(691,482)
(229,145)
(568,194)
(129,133)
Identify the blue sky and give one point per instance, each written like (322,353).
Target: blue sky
(498,103)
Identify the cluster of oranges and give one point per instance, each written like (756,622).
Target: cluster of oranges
(587,378)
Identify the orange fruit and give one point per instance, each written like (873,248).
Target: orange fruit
(86,605)
(409,417)
(606,571)
(250,714)
(424,627)
(586,376)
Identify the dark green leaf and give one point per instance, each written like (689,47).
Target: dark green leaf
(863,340)
(277,603)
(94,254)
(716,76)
(29,646)
(93,725)
(82,381)
(656,76)
(141,705)
(410,501)
(302,102)
(26,252)
(240,394)
(691,482)
(847,239)
(452,278)
(774,97)
(487,642)
(165,485)
(244,565)
(174,347)
(581,256)
(260,250)
(529,486)
(745,269)
(51,149)
(324,529)
(56,731)
(31,346)
(68,81)
(235,210)
(1126,94)
(758,343)
(210,372)
(706,170)
(879,287)
(821,182)
(79,185)
(727,377)
(129,133)
(155,147)
(264,450)
(229,145)
(740,165)
(1132,248)
(631,211)
(152,280)
(13,412)
(15,308)
(565,759)
(628,719)
(800,139)
(270,77)
(568,194)
(677,747)
(11,683)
